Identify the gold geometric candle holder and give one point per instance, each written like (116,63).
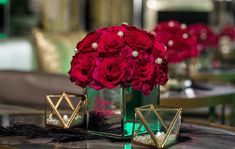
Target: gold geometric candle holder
(65,110)
(161,126)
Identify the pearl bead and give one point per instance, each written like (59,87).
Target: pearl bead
(185,36)
(158,134)
(170,42)
(158,61)
(94,45)
(75,50)
(65,117)
(153,33)
(183,26)
(165,47)
(135,53)
(124,23)
(120,33)
(171,24)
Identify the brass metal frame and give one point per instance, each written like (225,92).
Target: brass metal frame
(67,98)
(148,109)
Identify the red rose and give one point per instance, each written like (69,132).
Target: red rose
(81,70)
(169,26)
(158,50)
(136,84)
(138,39)
(85,45)
(96,85)
(205,36)
(111,72)
(228,31)
(146,89)
(110,43)
(161,76)
(126,52)
(145,72)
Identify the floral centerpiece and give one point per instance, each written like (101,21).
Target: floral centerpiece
(226,47)
(117,55)
(119,66)
(207,43)
(181,47)
(228,31)
(206,37)
(227,39)
(180,44)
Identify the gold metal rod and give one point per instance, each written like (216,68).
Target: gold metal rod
(69,101)
(146,106)
(59,95)
(137,131)
(73,114)
(170,128)
(162,122)
(57,104)
(147,127)
(56,112)
(133,127)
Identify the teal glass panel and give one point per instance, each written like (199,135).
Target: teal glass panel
(113,110)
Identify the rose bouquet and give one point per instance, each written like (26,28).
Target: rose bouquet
(206,38)
(228,31)
(180,44)
(226,46)
(118,55)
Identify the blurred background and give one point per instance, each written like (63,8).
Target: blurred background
(39,37)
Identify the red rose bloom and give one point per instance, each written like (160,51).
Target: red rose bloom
(126,52)
(85,45)
(206,38)
(111,72)
(171,26)
(145,72)
(228,31)
(110,43)
(81,70)
(159,49)
(146,89)
(138,39)
(136,84)
(161,76)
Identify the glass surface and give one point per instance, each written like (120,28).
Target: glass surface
(111,111)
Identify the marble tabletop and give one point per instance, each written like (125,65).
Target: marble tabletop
(193,136)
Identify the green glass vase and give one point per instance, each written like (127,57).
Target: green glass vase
(110,112)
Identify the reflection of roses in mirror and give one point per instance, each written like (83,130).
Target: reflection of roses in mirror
(206,38)
(117,55)
(103,106)
(180,44)
(228,31)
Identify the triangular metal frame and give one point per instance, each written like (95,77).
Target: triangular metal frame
(67,98)
(151,108)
